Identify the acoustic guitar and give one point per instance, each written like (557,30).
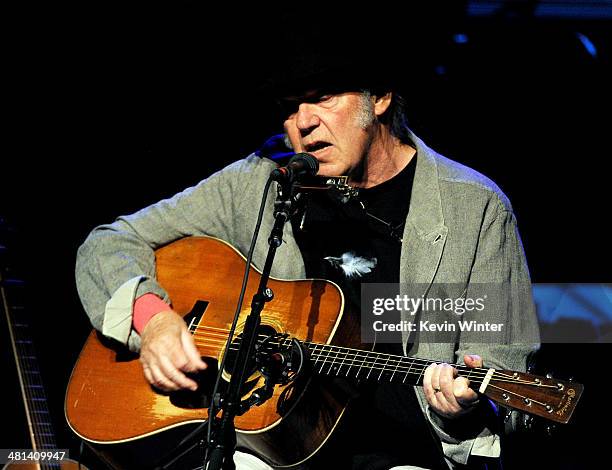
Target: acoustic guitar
(111,405)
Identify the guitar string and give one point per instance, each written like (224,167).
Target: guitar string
(223,338)
(371,362)
(474,372)
(401,369)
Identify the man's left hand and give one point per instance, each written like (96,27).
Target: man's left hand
(449,395)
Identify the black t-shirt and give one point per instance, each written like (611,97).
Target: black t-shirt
(351,243)
(358,241)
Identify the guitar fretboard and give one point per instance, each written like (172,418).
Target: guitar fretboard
(375,366)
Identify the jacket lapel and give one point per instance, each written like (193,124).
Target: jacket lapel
(425,234)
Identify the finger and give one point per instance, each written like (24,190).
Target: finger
(464,395)
(427,386)
(435,378)
(160,380)
(446,380)
(177,377)
(147,374)
(193,355)
(472,360)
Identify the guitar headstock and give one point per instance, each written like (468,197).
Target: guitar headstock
(545,397)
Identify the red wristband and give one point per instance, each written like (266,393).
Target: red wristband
(145,307)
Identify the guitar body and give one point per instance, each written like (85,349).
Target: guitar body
(109,402)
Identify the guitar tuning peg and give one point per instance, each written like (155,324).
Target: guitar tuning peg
(549,375)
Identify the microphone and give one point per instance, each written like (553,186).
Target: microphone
(301,164)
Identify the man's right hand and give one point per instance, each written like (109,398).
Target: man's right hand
(168,351)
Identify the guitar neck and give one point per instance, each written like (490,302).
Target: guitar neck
(374,366)
(546,397)
(30,381)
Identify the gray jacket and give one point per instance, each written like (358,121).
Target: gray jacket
(460,229)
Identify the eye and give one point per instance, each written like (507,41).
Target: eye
(288,108)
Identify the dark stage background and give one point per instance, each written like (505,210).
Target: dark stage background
(110,109)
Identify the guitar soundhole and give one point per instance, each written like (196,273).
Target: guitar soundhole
(202,396)
(263,332)
(206,378)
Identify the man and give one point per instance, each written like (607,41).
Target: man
(425,219)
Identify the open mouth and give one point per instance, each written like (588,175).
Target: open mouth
(315,146)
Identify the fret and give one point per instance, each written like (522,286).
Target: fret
(382,370)
(342,363)
(361,363)
(44,424)
(399,360)
(313,351)
(351,363)
(370,366)
(333,361)
(35,391)
(324,361)
(478,379)
(419,379)
(409,367)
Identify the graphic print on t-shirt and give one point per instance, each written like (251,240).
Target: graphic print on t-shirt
(352,265)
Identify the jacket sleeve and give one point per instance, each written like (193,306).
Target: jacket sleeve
(500,266)
(116,263)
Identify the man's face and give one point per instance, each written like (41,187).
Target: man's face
(335,128)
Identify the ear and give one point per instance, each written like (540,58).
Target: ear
(382,103)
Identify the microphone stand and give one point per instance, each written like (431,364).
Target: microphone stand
(224,437)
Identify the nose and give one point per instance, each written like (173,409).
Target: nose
(306,118)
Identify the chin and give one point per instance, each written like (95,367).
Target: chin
(329,169)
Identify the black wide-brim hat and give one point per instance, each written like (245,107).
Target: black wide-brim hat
(326,51)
